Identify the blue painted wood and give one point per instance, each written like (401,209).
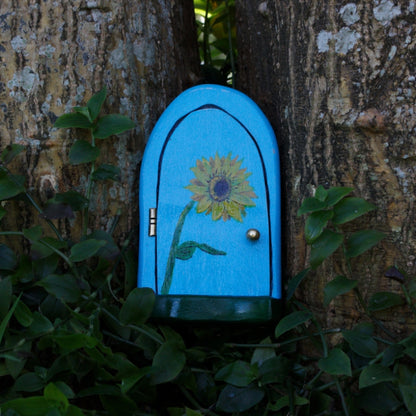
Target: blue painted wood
(211,169)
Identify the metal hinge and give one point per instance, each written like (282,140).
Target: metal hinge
(152,222)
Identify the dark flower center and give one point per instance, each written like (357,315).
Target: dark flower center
(220,188)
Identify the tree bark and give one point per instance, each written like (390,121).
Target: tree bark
(337,82)
(54,55)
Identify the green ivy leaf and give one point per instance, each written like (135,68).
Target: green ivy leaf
(337,363)
(63,287)
(138,306)
(295,282)
(384,300)
(83,152)
(292,321)
(10,152)
(235,399)
(336,287)
(57,210)
(85,249)
(350,208)
(275,370)
(378,399)
(34,233)
(53,394)
(315,224)
(112,124)
(96,102)
(336,193)
(374,374)
(105,172)
(311,204)
(168,362)
(361,341)
(73,120)
(362,241)
(238,373)
(409,398)
(30,406)
(324,246)
(8,260)
(10,186)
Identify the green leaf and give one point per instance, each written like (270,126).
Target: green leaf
(31,406)
(10,186)
(374,374)
(112,124)
(238,373)
(105,172)
(311,204)
(63,287)
(211,250)
(83,152)
(138,306)
(34,233)
(85,249)
(384,300)
(315,224)
(285,402)
(23,314)
(135,375)
(74,199)
(337,363)
(84,111)
(8,260)
(74,342)
(350,208)
(275,370)
(262,354)
(96,102)
(6,319)
(292,321)
(378,399)
(10,152)
(335,194)
(57,210)
(324,246)
(53,394)
(361,341)
(235,399)
(168,362)
(336,287)
(362,241)
(409,397)
(73,120)
(321,193)
(29,382)
(295,282)
(5,296)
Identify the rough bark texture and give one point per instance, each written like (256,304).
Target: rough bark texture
(337,81)
(55,54)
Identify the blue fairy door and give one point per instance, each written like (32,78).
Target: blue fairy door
(210,209)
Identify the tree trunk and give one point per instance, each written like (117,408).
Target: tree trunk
(337,83)
(55,55)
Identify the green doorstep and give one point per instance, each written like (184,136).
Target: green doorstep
(217,309)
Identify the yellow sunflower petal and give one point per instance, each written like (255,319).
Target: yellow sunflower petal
(217,209)
(233,210)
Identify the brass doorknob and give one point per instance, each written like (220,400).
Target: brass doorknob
(253,234)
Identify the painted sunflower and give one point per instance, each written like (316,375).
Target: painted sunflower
(221,188)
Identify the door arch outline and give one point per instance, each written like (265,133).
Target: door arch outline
(176,124)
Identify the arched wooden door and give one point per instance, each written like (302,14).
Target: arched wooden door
(210,209)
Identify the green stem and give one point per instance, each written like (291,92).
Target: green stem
(172,252)
(88,192)
(341,395)
(207,55)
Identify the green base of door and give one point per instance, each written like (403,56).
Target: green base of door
(217,309)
